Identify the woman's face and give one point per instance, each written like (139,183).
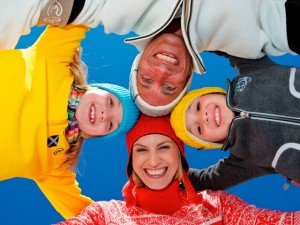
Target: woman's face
(155,159)
(99,112)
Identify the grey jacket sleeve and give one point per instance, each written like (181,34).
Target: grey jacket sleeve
(225,174)
(287,161)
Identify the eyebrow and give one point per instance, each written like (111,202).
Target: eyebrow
(119,102)
(142,84)
(118,122)
(185,118)
(189,129)
(137,144)
(164,142)
(189,107)
(147,86)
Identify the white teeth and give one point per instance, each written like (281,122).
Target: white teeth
(217,116)
(92,114)
(156,172)
(167,58)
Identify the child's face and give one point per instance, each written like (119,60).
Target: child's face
(209,118)
(99,112)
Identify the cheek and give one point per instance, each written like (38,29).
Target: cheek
(141,90)
(136,162)
(102,129)
(80,110)
(94,131)
(175,166)
(216,135)
(173,160)
(224,132)
(180,79)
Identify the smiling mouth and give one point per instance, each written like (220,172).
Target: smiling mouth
(167,58)
(92,116)
(217,115)
(156,172)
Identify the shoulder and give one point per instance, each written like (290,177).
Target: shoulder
(218,198)
(223,199)
(210,194)
(110,205)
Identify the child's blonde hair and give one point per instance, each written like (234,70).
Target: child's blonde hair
(79,71)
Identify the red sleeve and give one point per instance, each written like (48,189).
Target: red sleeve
(236,211)
(91,215)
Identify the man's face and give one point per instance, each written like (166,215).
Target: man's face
(163,69)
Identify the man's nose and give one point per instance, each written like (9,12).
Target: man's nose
(161,68)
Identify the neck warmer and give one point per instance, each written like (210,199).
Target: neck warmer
(165,201)
(72,131)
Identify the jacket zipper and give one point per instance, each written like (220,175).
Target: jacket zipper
(269,117)
(261,116)
(258,116)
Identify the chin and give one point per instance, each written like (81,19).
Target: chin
(159,186)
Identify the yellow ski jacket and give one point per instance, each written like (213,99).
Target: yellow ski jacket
(35,86)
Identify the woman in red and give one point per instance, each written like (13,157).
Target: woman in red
(159,191)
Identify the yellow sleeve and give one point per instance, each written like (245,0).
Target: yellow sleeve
(64,194)
(60,43)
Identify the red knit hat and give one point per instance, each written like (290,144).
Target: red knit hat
(152,125)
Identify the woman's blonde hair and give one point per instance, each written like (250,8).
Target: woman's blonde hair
(79,71)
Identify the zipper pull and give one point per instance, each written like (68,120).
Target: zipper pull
(286,184)
(245,114)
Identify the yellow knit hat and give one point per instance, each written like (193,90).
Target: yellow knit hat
(178,118)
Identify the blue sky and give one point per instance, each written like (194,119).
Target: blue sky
(102,163)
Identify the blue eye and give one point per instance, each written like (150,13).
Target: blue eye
(169,88)
(147,80)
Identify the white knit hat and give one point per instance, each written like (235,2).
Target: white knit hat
(145,107)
